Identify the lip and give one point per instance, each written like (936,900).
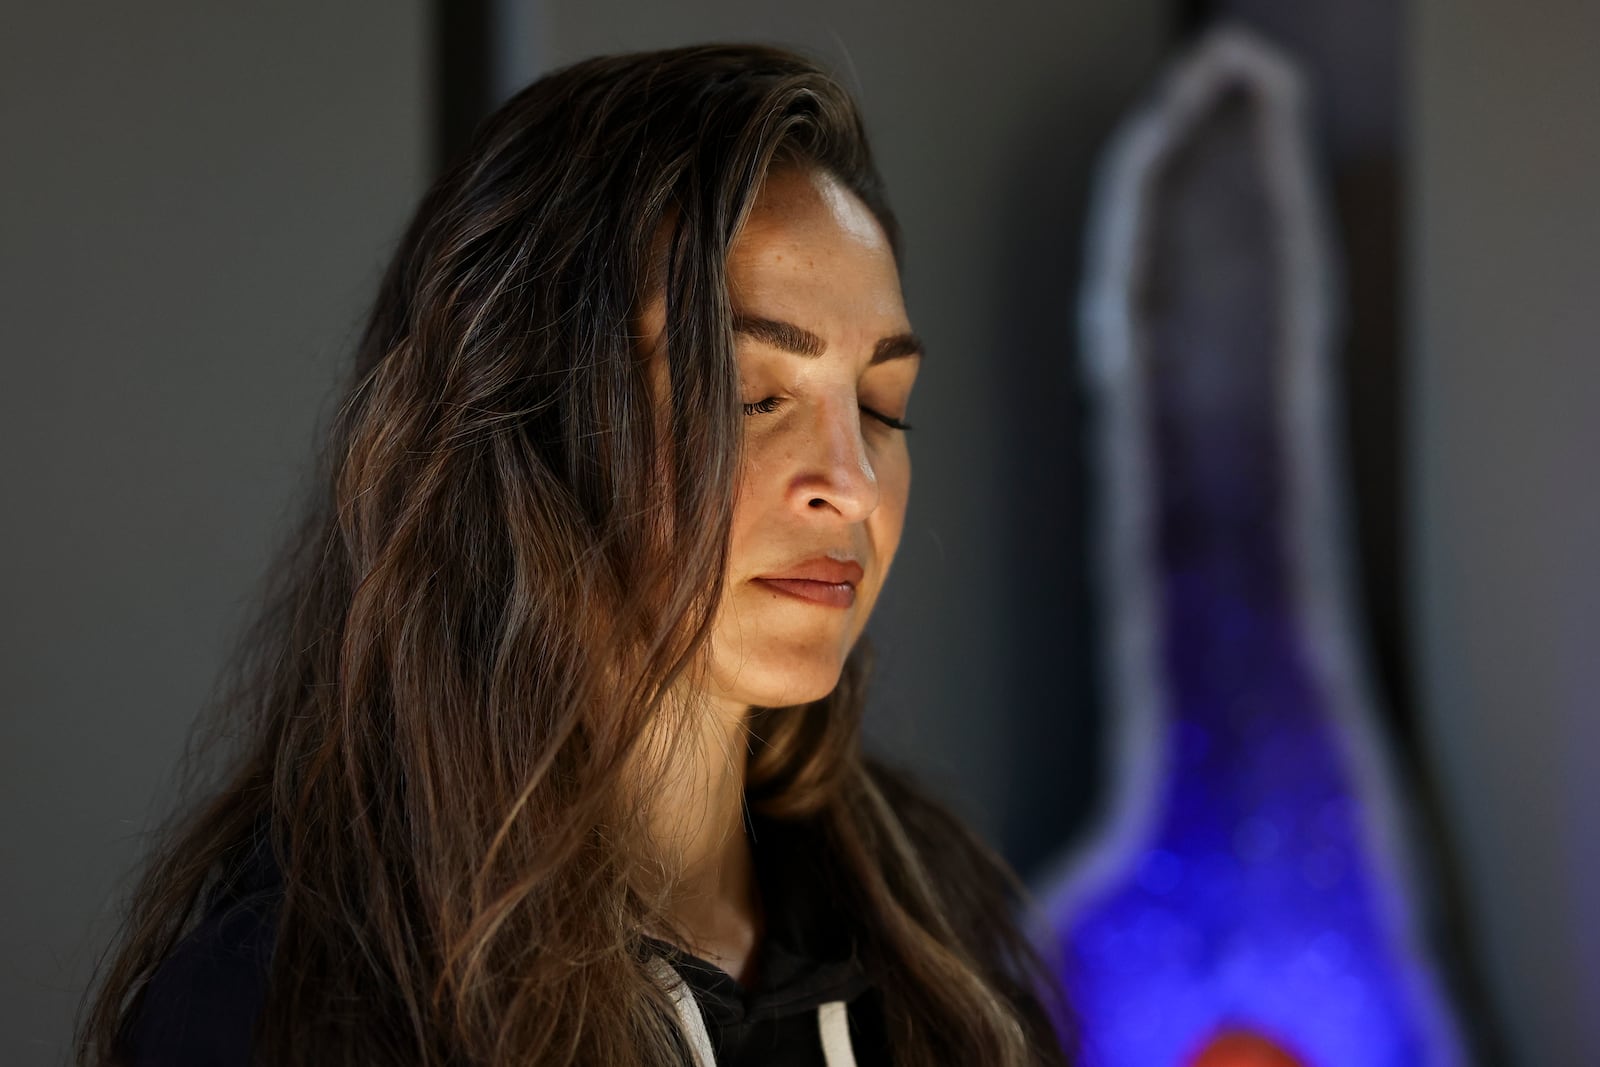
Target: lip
(822,580)
(820,569)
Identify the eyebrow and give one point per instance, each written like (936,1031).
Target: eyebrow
(802,342)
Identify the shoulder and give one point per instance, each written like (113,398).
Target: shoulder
(988,906)
(200,1005)
(969,876)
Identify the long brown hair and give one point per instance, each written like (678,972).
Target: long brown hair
(505,572)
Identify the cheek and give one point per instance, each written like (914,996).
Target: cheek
(894,494)
(751,499)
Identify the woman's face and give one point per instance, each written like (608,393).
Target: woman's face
(826,363)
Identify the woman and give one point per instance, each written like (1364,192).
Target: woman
(552,745)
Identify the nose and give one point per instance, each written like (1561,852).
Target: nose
(835,474)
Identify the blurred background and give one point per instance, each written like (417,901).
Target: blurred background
(200,198)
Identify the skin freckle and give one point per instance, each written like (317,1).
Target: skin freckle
(816,478)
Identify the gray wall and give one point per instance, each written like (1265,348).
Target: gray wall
(198,198)
(1505,279)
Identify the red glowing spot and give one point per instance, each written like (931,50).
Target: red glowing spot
(1243,1048)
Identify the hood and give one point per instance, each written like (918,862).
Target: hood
(809,961)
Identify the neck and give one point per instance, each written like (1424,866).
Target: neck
(717,906)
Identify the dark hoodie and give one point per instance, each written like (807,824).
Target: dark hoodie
(814,1003)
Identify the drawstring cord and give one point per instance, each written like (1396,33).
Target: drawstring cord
(683,1002)
(833,1022)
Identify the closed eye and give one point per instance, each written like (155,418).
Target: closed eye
(887,420)
(770,404)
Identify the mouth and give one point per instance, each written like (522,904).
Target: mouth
(824,580)
(826,594)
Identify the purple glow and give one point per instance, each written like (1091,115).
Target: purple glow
(1252,906)
(1239,883)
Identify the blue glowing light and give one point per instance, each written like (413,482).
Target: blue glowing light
(1245,882)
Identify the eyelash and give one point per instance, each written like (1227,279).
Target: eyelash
(767,406)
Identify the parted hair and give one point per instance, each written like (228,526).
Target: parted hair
(509,561)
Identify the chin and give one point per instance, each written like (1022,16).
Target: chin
(777,683)
(794,696)
(779,658)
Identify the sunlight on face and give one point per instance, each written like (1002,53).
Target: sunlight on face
(824,474)
(826,364)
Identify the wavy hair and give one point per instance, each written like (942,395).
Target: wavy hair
(506,568)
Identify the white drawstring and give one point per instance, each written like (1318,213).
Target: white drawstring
(833,1022)
(688,1009)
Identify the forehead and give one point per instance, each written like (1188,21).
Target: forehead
(809,245)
